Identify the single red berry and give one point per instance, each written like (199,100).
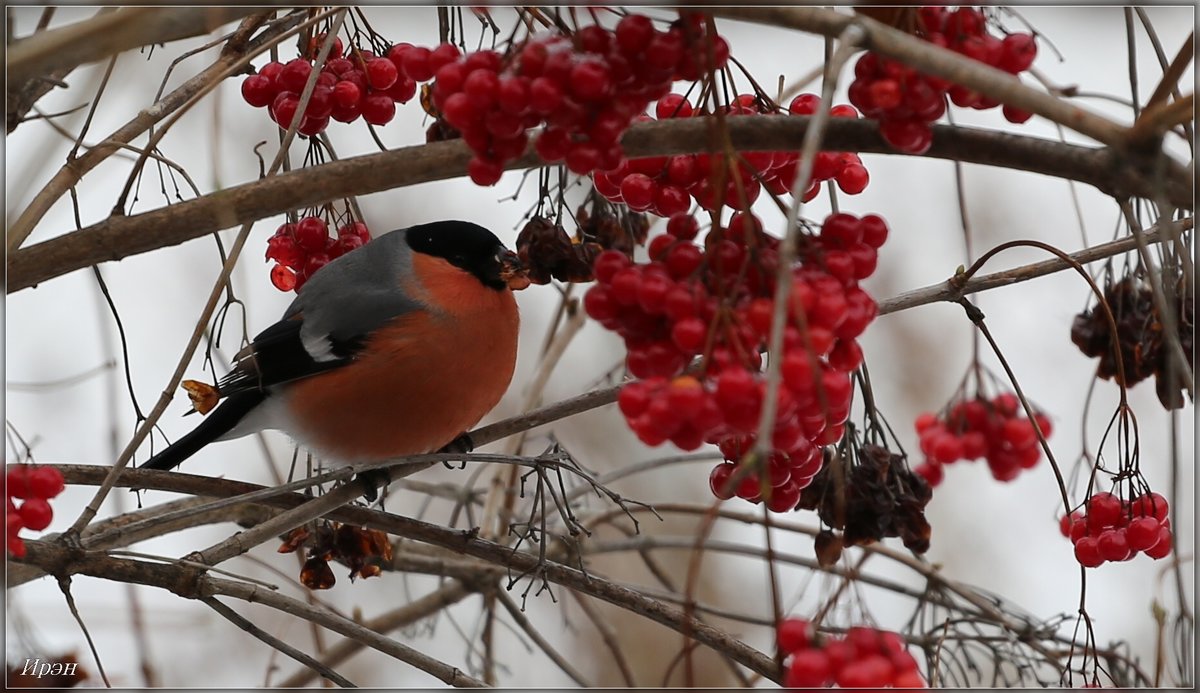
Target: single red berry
(719,480)
(931,471)
(1087,552)
(283,278)
(258,91)
(853,179)
(633,33)
(46,482)
(416,63)
(378,109)
(17,481)
(1113,545)
(909,136)
(15,524)
(16,546)
(294,75)
(1150,505)
(311,233)
(1104,510)
(591,81)
(1142,533)
(1162,547)
(381,73)
(638,190)
(484,172)
(36,514)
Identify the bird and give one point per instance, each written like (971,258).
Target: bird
(395,348)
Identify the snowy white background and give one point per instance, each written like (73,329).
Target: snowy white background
(1000,537)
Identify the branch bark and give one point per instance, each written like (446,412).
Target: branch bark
(106,35)
(119,237)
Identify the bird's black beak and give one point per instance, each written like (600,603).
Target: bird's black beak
(512,271)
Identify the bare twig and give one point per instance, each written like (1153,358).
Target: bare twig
(275,643)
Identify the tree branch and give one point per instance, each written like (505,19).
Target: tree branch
(119,237)
(100,37)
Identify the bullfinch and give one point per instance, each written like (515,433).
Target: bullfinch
(395,348)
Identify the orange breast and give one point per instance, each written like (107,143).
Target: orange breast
(419,382)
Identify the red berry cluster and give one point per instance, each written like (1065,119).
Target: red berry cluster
(585,88)
(717,303)
(35,486)
(864,658)
(666,185)
(1111,529)
(905,101)
(981,428)
(300,249)
(351,85)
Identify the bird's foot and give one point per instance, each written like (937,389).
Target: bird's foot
(372,480)
(461,445)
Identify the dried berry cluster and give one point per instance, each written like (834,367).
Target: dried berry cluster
(667,185)
(716,303)
(586,89)
(34,486)
(995,430)
(864,658)
(905,101)
(1140,336)
(868,496)
(351,85)
(300,249)
(364,551)
(1110,529)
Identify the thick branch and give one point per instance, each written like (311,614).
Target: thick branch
(108,34)
(119,237)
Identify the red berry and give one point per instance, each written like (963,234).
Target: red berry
(1113,545)
(633,33)
(15,524)
(416,63)
(718,480)
(258,91)
(909,136)
(294,75)
(346,94)
(484,172)
(1087,552)
(17,482)
(590,81)
(792,635)
(378,109)
(1104,510)
(311,233)
(283,278)
(1150,505)
(16,547)
(809,669)
(46,482)
(931,471)
(853,179)
(36,514)
(381,73)
(1161,548)
(638,190)
(1142,533)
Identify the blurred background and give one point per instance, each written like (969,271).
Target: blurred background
(67,399)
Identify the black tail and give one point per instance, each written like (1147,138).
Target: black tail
(218,423)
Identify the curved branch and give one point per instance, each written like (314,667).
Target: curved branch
(119,237)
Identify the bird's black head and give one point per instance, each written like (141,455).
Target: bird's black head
(465,245)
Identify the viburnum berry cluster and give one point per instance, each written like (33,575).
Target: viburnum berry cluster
(352,85)
(864,658)
(716,303)
(906,101)
(666,185)
(1108,528)
(301,248)
(365,551)
(586,89)
(34,486)
(995,430)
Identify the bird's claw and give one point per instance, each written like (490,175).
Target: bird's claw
(460,445)
(372,480)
